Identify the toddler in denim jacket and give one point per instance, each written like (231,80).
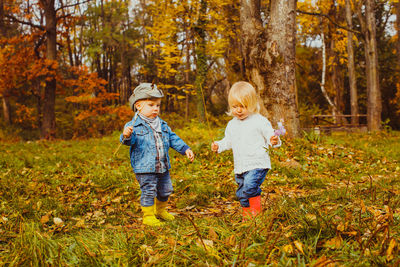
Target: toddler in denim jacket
(150,138)
(248,134)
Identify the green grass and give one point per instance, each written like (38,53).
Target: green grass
(329,199)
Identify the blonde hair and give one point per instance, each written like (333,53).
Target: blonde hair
(139,104)
(244,94)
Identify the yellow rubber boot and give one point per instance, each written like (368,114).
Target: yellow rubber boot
(149,218)
(161,211)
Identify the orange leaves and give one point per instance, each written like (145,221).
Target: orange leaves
(25,116)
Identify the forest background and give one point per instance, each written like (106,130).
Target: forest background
(68,67)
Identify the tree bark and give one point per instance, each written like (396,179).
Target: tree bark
(351,67)
(49,123)
(397,7)
(336,75)
(201,61)
(269,58)
(187,69)
(323,75)
(6,110)
(5,101)
(253,43)
(374,105)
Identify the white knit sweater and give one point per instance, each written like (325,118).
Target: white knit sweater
(249,140)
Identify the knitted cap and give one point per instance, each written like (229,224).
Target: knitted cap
(144,91)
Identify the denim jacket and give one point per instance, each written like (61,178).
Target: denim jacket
(143,147)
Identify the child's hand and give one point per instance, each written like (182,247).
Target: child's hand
(189,154)
(214,147)
(274,140)
(127,131)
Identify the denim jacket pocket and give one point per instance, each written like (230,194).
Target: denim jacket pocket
(165,135)
(141,131)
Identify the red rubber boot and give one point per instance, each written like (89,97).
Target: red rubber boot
(246,213)
(255,205)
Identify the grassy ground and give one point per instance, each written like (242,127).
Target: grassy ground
(328,200)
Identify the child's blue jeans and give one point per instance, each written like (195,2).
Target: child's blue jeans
(249,185)
(154,185)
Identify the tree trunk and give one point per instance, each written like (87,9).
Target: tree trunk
(49,123)
(201,62)
(269,58)
(337,84)
(3,33)
(253,42)
(323,75)
(397,6)
(335,72)
(187,69)
(6,110)
(351,68)
(374,108)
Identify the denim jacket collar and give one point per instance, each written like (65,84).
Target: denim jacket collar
(140,121)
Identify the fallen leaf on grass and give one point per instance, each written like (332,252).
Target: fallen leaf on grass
(57,221)
(389,252)
(323,261)
(299,246)
(44,219)
(80,223)
(212,234)
(288,249)
(334,243)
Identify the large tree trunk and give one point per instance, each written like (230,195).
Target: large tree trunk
(335,73)
(253,43)
(49,121)
(351,68)
(269,58)
(374,108)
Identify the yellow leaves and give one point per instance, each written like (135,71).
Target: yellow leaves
(340,227)
(80,223)
(363,209)
(311,217)
(389,252)
(299,246)
(44,219)
(323,261)
(334,243)
(288,249)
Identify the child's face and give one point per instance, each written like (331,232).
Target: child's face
(149,108)
(239,111)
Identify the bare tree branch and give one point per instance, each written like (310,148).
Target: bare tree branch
(329,18)
(64,16)
(72,5)
(25,22)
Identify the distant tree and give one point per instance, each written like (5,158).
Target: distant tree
(201,58)
(351,67)
(368,27)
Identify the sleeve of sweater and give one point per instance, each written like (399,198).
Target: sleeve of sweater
(225,143)
(268,132)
